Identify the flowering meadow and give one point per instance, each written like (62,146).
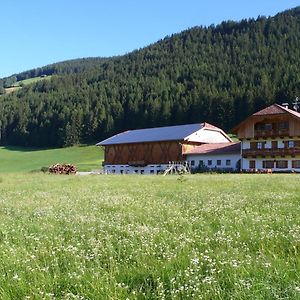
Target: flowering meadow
(150,237)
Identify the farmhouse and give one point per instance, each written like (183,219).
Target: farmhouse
(270,139)
(149,151)
(224,156)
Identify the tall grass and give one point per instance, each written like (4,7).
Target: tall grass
(151,237)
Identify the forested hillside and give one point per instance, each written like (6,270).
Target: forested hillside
(218,74)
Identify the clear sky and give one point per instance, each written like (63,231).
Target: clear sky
(38,32)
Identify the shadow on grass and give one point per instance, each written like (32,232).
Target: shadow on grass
(31,149)
(26,149)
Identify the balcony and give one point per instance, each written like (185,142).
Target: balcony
(271,133)
(271,152)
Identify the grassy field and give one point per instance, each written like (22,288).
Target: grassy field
(149,237)
(31,80)
(12,89)
(18,159)
(18,85)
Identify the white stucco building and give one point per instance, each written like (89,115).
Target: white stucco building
(218,156)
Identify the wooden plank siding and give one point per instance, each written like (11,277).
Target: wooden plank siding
(247,130)
(146,153)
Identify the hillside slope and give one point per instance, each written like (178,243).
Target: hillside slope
(20,159)
(217,74)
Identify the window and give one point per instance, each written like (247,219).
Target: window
(151,171)
(263,126)
(252,164)
(268,164)
(296,164)
(281,164)
(291,144)
(267,145)
(219,162)
(142,171)
(283,125)
(259,126)
(268,126)
(121,171)
(209,162)
(192,162)
(259,145)
(228,162)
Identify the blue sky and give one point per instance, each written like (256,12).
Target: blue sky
(38,32)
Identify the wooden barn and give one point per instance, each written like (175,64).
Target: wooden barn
(149,151)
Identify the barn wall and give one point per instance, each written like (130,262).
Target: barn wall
(143,153)
(187,146)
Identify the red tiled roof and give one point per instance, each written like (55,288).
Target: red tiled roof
(210,126)
(217,148)
(293,112)
(271,110)
(274,109)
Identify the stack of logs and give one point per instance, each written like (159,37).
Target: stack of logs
(63,169)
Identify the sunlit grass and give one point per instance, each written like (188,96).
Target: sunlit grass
(31,80)
(20,159)
(149,237)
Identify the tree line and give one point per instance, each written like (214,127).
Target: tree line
(218,74)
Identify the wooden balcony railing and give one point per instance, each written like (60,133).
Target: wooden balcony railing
(271,133)
(271,152)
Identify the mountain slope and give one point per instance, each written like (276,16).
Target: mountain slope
(217,74)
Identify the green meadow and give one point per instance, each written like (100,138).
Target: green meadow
(205,236)
(31,80)
(19,159)
(19,84)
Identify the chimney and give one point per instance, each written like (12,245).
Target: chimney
(285,105)
(296,104)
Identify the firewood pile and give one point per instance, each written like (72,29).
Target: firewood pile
(63,169)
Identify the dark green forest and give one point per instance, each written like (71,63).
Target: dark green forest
(218,74)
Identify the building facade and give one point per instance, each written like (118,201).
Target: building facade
(270,140)
(149,151)
(218,156)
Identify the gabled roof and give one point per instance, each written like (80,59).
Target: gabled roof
(274,109)
(290,111)
(169,133)
(217,148)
